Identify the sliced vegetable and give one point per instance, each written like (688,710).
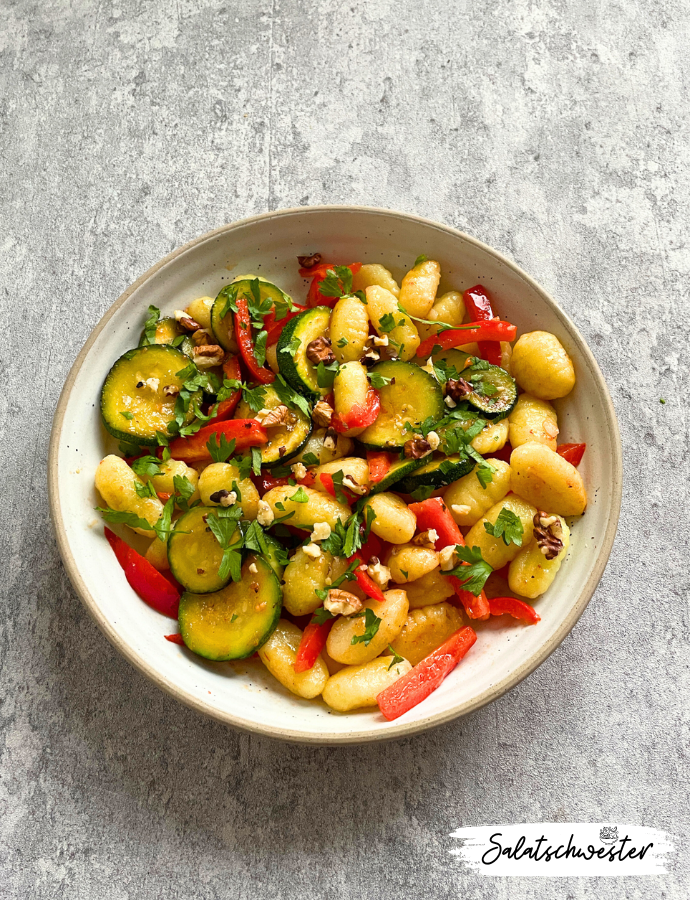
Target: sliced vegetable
(412,396)
(234,622)
(422,680)
(284,440)
(174,639)
(495,391)
(437,474)
(319,274)
(224,326)
(478,306)
(396,473)
(245,432)
(275,328)
(292,346)
(134,405)
(153,588)
(231,372)
(495,330)
(313,642)
(511,606)
(194,553)
(358,416)
(366,582)
(379,463)
(243,334)
(573,453)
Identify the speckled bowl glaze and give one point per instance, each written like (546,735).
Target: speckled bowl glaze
(244,694)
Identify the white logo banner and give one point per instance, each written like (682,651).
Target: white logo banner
(560,849)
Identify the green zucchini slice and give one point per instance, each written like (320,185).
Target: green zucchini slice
(133,404)
(194,553)
(453,357)
(495,391)
(234,622)
(284,441)
(169,331)
(413,396)
(437,474)
(222,325)
(400,469)
(294,366)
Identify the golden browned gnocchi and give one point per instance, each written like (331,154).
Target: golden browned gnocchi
(547,480)
(393,521)
(318,507)
(533,570)
(403,335)
(425,629)
(220,481)
(391,615)
(116,483)
(533,420)
(448,309)
(349,329)
(354,687)
(468,499)
(494,549)
(375,274)
(350,388)
(431,588)
(541,366)
(409,562)
(418,288)
(278,654)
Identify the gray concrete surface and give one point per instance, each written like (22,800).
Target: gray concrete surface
(557,132)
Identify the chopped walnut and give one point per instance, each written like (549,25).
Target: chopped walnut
(152,384)
(426,539)
(548,533)
(380,341)
(434,440)
(330,440)
(208,355)
(356,488)
(458,389)
(450,403)
(550,427)
(253,569)
(460,509)
(171,390)
(342,603)
(201,337)
(416,448)
(381,574)
(299,470)
(319,351)
(312,550)
(321,531)
(447,558)
(225,498)
(322,414)
(308,262)
(265,515)
(273,417)
(189,324)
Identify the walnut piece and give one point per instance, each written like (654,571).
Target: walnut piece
(322,414)
(458,389)
(381,574)
(225,498)
(321,531)
(208,355)
(265,515)
(319,351)
(426,539)
(342,603)
(299,470)
(274,417)
(171,390)
(447,558)
(416,448)
(548,533)
(312,550)
(329,441)
(352,485)
(308,262)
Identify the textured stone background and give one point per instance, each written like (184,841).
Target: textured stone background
(556,132)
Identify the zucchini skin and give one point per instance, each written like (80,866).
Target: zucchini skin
(430,475)
(190,544)
(395,476)
(298,371)
(499,405)
(224,330)
(293,441)
(119,393)
(226,624)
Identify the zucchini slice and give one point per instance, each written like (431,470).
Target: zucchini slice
(133,405)
(400,469)
(234,622)
(437,474)
(495,391)
(413,396)
(169,331)
(453,357)
(296,369)
(194,553)
(223,326)
(288,438)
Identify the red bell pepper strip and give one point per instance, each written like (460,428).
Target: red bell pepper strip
(495,330)
(312,643)
(416,685)
(231,371)
(327,482)
(317,274)
(433,513)
(366,582)
(358,416)
(573,453)
(146,581)
(175,639)
(274,330)
(478,306)
(379,464)
(372,547)
(511,606)
(243,333)
(245,432)
(163,496)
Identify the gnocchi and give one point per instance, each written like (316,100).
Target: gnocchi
(394,521)
(468,500)
(403,334)
(541,366)
(354,687)
(531,573)
(533,420)
(547,480)
(391,614)
(418,288)
(278,654)
(425,629)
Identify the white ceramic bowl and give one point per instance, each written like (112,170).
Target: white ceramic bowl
(244,694)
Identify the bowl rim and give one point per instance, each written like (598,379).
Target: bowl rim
(403,729)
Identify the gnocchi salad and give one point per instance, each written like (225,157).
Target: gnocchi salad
(347,487)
